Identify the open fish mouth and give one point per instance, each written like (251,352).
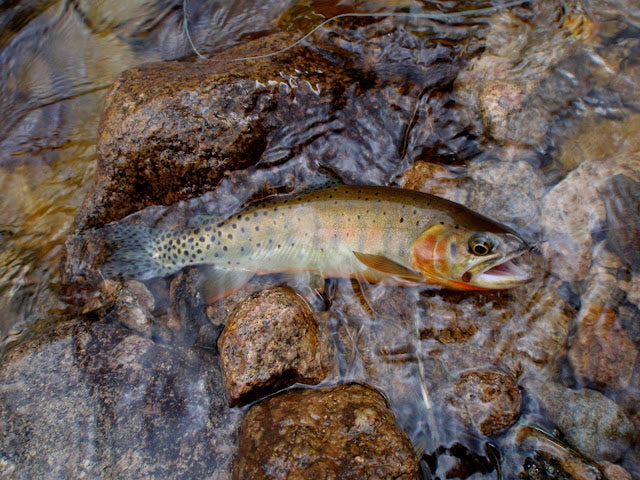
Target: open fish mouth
(503,272)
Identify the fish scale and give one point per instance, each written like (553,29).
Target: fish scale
(341,231)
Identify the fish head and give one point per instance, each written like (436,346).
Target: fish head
(461,258)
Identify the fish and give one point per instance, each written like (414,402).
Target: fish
(377,234)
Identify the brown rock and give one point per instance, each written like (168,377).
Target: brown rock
(271,341)
(345,432)
(514,104)
(432,178)
(487,401)
(601,353)
(615,472)
(574,209)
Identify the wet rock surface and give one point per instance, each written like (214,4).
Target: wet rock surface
(271,341)
(487,402)
(94,399)
(347,431)
(601,353)
(590,422)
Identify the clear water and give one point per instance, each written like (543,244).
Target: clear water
(540,131)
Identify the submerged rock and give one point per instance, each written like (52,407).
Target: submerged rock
(96,400)
(271,341)
(488,402)
(551,459)
(575,211)
(601,353)
(590,422)
(346,432)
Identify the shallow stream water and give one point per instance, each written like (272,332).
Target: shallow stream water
(528,116)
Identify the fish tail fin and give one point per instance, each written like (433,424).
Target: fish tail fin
(132,253)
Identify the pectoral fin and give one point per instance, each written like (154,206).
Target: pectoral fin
(382,264)
(220,283)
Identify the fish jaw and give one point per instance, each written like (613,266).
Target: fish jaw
(440,254)
(500,273)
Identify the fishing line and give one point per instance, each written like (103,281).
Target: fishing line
(437,16)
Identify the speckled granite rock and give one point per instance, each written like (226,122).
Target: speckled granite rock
(346,432)
(486,401)
(89,399)
(271,341)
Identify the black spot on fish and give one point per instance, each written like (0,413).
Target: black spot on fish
(213,237)
(208,246)
(170,242)
(257,228)
(279,245)
(401,219)
(415,212)
(225,248)
(229,236)
(242,249)
(246,219)
(239,217)
(242,229)
(208,228)
(202,239)
(216,254)
(220,224)
(255,214)
(196,231)
(199,251)
(265,213)
(219,233)
(234,226)
(258,245)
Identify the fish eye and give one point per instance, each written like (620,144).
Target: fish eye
(480,245)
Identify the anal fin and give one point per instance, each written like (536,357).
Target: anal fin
(219,283)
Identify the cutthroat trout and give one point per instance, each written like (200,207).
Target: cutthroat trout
(379,234)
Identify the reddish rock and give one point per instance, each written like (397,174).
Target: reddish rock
(271,340)
(345,432)
(487,401)
(601,353)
